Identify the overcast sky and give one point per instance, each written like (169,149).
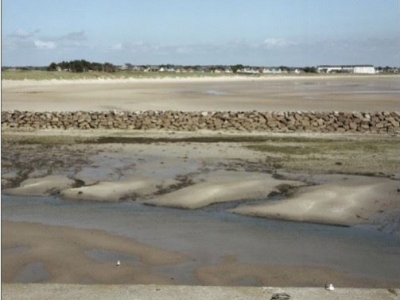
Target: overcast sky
(250,32)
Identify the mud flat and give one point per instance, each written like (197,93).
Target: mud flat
(317,175)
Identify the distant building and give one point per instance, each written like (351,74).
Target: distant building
(271,71)
(364,70)
(356,69)
(248,71)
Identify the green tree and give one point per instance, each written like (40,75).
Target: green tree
(237,67)
(77,66)
(52,67)
(108,67)
(284,68)
(310,70)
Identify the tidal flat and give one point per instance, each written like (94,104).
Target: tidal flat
(74,230)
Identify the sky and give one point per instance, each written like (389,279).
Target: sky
(201,32)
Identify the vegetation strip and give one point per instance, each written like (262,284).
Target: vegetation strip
(259,143)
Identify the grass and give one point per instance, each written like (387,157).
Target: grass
(48,75)
(272,144)
(376,156)
(43,140)
(359,157)
(313,146)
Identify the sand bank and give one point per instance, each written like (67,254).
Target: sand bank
(192,175)
(114,191)
(349,202)
(42,186)
(222,187)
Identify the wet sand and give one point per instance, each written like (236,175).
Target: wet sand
(58,254)
(214,246)
(298,93)
(81,242)
(345,202)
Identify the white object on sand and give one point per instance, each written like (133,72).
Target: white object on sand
(118,263)
(329,287)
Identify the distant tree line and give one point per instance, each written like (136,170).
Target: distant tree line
(310,70)
(387,69)
(24,68)
(80,66)
(85,66)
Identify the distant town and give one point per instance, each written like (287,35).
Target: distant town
(86,66)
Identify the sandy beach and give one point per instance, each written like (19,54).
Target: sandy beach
(292,93)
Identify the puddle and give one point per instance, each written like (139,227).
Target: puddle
(158,168)
(106,256)
(32,273)
(106,168)
(14,250)
(181,273)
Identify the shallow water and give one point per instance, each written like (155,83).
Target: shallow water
(32,273)
(207,235)
(111,256)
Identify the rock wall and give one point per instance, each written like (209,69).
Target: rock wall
(372,122)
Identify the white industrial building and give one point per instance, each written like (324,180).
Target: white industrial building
(364,70)
(356,69)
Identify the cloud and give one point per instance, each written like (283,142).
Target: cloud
(136,47)
(183,50)
(117,46)
(271,43)
(186,50)
(20,39)
(44,45)
(162,49)
(22,34)
(75,36)
(354,44)
(24,40)
(72,40)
